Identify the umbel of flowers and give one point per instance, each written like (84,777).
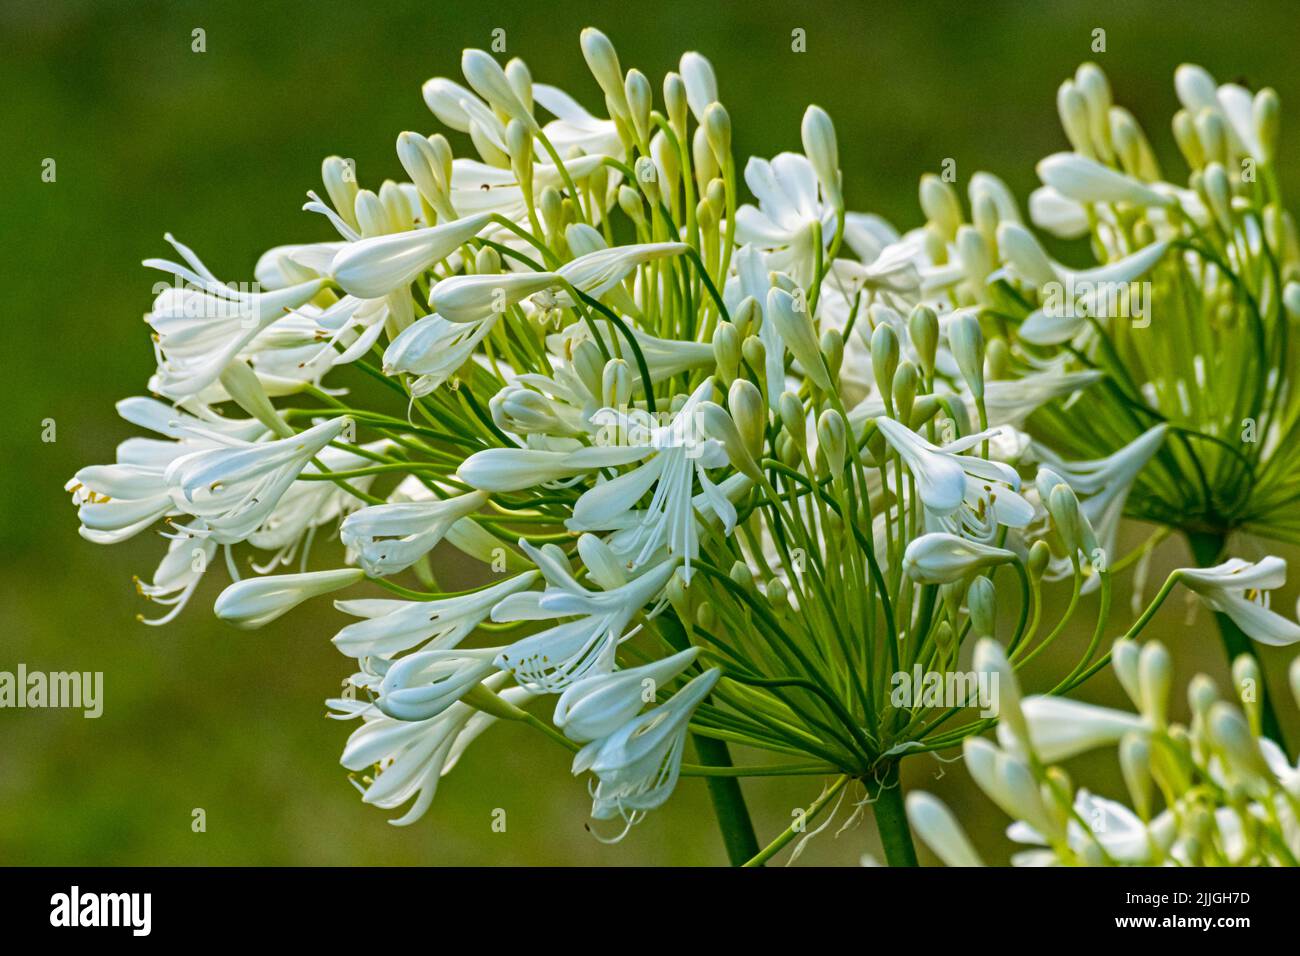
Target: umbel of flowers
(730,463)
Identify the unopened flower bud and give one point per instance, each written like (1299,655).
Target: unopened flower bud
(1135,765)
(603,63)
(966,341)
(1040,555)
(981,601)
(1218,195)
(941,207)
(1189,142)
(923,327)
(1124,661)
(1155,675)
(832,439)
(726,351)
(616,384)
(339,176)
(718,425)
(717,128)
(1266,115)
(884,359)
(819,145)
(796,328)
(675,102)
(905,384)
(793,419)
(745,402)
(640,100)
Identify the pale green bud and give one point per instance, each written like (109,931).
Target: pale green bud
(1124,661)
(1218,194)
(371,216)
(997,359)
(603,63)
(647,177)
(717,424)
(1072,107)
(726,351)
(755,353)
(675,102)
(1135,765)
(629,200)
(1249,684)
(640,100)
(966,341)
(521,81)
(981,601)
(1231,734)
(747,316)
(706,165)
(1202,694)
(832,346)
(923,327)
(1267,117)
(778,593)
(1155,676)
(742,575)
(905,383)
(1189,143)
(552,209)
(1213,134)
(793,419)
(340,181)
(616,384)
(941,207)
(717,128)
(420,161)
(884,358)
(487,261)
(832,439)
(745,402)
(819,145)
(1040,555)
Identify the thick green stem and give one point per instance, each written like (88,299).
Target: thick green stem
(1206,550)
(728,802)
(891,819)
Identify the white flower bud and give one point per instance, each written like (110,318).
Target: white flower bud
(819,145)
(253,602)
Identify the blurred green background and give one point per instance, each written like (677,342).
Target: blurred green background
(219,148)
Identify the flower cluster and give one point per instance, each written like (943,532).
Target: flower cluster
(729,469)
(1212,793)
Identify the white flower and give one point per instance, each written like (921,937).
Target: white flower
(424,684)
(676,455)
(1060,728)
(1103,486)
(966,495)
(391,626)
(1240,589)
(200,328)
(391,537)
(552,659)
(638,764)
(178,574)
(940,557)
(598,705)
(254,602)
(373,267)
(788,207)
(1119,831)
(1087,181)
(407,758)
(234,489)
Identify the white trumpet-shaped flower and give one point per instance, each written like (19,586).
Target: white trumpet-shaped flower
(234,489)
(390,626)
(254,602)
(940,557)
(553,659)
(391,537)
(637,765)
(373,267)
(598,705)
(1240,590)
(965,495)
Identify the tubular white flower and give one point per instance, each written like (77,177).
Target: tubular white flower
(1240,589)
(1060,728)
(426,683)
(935,824)
(940,557)
(552,659)
(391,626)
(967,495)
(254,602)
(1088,181)
(235,489)
(370,268)
(391,537)
(638,764)
(407,758)
(598,705)
(700,81)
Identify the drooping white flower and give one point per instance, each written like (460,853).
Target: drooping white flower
(940,557)
(254,602)
(637,765)
(202,325)
(552,659)
(405,759)
(234,489)
(598,705)
(373,267)
(426,683)
(391,537)
(964,494)
(391,626)
(177,576)
(1240,590)
(1087,181)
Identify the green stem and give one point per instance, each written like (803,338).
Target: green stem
(728,802)
(1207,546)
(891,818)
